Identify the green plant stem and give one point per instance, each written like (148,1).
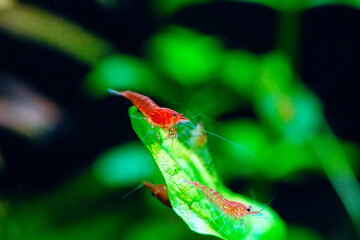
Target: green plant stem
(288,35)
(338,170)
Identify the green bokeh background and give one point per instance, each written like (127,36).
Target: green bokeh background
(195,73)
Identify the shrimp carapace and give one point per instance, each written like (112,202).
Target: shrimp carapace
(232,209)
(160,192)
(155,115)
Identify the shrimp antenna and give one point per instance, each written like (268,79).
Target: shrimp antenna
(113,92)
(267,203)
(207,108)
(236,145)
(138,187)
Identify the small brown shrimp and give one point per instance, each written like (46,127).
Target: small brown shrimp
(231,209)
(160,192)
(155,115)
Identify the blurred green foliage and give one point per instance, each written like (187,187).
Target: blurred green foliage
(184,55)
(48,29)
(120,72)
(125,165)
(166,8)
(288,132)
(299,5)
(289,115)
(238,71)
(299,233)
(272,159)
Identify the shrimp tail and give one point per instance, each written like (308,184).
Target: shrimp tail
(143,103)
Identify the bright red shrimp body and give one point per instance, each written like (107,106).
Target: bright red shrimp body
(232,209)
(155,115)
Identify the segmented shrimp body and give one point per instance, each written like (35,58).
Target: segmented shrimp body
(160,192)
(233,209)
(155,115)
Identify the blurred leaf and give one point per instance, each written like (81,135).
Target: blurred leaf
(98,227)
(27,223)
(272,156)
(275,74)
(250,136)
(337,168)
(300,233)
(298,5)
(156,228)
(352,153)
(125,165)
(47,28)
(6,4)
(296,115)
(166,8)
(186,56)
(120,72)
(284,158)
(246,133)
(183,160)
(240,71)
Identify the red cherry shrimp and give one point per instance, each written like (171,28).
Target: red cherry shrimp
(165,118)
(155,115)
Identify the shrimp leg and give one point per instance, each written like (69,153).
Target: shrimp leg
(173,135)
(157,133)
(147,133)
(213,219)
(222,226)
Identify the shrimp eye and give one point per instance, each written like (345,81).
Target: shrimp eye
(174,114)
(153,194)
(248,209)
(182,114)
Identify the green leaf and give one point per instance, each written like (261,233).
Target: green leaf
(189,159)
